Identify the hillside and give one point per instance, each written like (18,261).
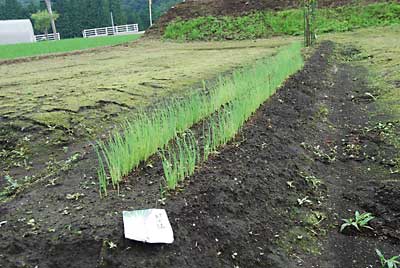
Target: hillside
(198,8)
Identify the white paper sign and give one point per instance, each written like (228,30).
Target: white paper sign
(148,225)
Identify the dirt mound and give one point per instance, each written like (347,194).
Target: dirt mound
(197,8)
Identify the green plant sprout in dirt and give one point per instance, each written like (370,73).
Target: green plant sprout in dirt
(11,188)
(388,263)
(179,161)
(147,133)
(263,24)
(358,222)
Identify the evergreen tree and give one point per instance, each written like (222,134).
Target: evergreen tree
(2,11)
(118,13)
(77,15)
(103,14)
(31,8)
(13,10)
(64,23)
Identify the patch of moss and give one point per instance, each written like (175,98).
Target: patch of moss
(299,239)
(53,119)
(322,113)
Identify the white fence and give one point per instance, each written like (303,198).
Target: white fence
(116,30)
(50,37)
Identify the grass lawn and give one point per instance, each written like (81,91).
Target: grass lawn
(66,45)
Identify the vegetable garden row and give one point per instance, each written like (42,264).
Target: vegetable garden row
(222,111)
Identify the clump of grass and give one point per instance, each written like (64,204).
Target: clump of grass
(359,221)
(245,90)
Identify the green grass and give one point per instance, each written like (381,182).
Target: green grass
(263,24)
(257,84)
(179,161)
(149,132)
(66,45)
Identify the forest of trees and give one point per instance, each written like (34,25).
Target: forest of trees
(76,15)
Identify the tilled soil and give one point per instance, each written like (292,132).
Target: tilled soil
(273,197)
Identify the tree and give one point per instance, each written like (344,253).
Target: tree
(118,13)
(42,20)
(13,10)
(52,20)
(310,7)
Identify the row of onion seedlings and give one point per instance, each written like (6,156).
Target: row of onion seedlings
(237,96)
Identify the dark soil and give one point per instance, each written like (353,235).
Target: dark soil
(242,208)
(190,9)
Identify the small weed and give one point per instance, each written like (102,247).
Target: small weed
(360,221)
(111,245)
(304,201)
(388,263)
(290,184)
(75,231)
(352,150)
(385,130)
(322,113)
(162,195)
(12,186)
(74,196)
(313,181)
(73,158)
(13,183)
(320,154)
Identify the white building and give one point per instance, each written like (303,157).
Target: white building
(16,31)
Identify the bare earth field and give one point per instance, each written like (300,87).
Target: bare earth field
(324,146)
(49,104)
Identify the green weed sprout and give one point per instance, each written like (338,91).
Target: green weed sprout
(360,221)
(388,263)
